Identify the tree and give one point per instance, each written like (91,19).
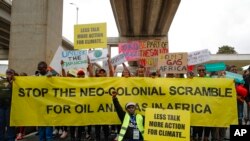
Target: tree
(226,50)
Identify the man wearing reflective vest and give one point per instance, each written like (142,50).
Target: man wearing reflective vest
(132,124)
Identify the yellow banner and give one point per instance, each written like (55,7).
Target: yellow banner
(38,101)
(167,125)
(90,36)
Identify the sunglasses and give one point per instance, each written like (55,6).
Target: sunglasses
(201,70)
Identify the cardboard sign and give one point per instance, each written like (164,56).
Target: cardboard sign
(173,63)
(237,77)
(167,125)
(150,50)
(56,61)
(198,57)
(90,36)
(98,55)
(215,67)
(74,59)
(115,61)
(130,50)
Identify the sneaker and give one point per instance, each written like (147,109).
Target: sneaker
(60,132)
(55,132)
(19,136)
(248,122)
(64,135)
(87,137)
(116,138)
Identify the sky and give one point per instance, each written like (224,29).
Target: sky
(198,24)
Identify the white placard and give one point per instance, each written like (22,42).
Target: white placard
(198,57)
(74,59)
(115,61)
(56,61)
(98,55)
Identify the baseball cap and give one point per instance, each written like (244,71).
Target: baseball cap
(80,72)
(130,104)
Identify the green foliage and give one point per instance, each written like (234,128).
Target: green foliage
(226,50)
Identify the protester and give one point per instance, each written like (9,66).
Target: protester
(45,132)
(246,77)
(125,72)
(198,129)
(7,133)
(102,73)
(132,123)
(218,133)
(81,74)
(169,75)
(140,72)
(240,98)
(21,130)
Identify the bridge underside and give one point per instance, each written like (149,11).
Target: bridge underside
(5,10)
(144,18)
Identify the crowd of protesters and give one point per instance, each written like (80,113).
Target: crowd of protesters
(8,133)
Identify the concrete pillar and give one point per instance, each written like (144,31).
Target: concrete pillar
(36,33)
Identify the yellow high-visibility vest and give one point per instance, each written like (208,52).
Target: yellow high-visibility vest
(139,122)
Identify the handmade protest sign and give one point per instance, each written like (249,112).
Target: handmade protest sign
(237,77)
(198,57)
(98,55)
(130,50)
(164,124)
(90,36)
(74,59)
(173,63)
(150,50)
(213,67)
(56,61)
(115,61)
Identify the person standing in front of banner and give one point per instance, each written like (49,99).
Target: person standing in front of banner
(198,129)
(5,106)
(21,130)
(246,77)
(132,123)
(102,73)
(240,98)
(45,132)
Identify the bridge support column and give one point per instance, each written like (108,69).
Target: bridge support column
(36,33)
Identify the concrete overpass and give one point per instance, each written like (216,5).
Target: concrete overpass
(144,18)
(5,18)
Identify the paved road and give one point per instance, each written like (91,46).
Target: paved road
(33,137)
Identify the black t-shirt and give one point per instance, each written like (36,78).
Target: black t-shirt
(5,94)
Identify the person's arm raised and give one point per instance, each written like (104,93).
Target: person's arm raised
(120,112)
(63,70)
(90,69)
(111,68)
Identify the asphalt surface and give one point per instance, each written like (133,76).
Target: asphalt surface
(34,137)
